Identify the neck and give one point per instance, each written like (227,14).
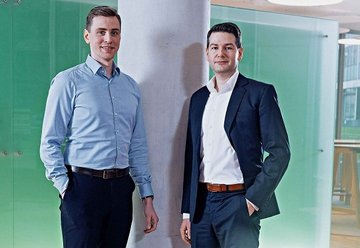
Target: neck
(221,79)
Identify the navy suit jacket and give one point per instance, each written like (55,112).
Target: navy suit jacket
(253,124)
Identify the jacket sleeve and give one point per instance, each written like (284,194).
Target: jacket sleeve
(275,142)
(185,207)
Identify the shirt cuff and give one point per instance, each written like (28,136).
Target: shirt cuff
(252,204)
(145,190)
(186,216)
(61,183)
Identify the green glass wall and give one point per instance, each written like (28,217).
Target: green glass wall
(299,56)
(38,39)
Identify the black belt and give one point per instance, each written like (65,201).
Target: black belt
(104,174)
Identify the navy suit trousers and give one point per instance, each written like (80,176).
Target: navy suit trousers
(222,220)
(96,212)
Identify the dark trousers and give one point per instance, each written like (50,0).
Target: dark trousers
(222,220)
(96,212)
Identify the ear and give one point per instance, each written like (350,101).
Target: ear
(240,54)
(86,36)
(207,54)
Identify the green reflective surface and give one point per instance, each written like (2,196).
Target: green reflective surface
(299,57)
(38,39)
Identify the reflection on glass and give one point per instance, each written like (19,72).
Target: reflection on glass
(298,56)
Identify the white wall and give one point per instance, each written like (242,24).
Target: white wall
(163,49)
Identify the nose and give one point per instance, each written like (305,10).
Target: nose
(220,52)
(107,37)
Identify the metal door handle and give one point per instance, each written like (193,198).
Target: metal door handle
(4,153)
(17,153)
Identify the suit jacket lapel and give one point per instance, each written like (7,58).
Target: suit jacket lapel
(234,103)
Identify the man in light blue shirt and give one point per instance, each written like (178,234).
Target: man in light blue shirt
(93,142)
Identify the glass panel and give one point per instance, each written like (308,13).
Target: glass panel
(39,39)
(35,202)
(6,169)
(298,55)
(346,187)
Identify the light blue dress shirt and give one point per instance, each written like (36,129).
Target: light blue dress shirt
(97,122)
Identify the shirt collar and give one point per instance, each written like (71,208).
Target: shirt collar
(228,86)
(96,66)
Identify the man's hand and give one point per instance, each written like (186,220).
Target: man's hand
(185,231)
(250,208)
(151,218)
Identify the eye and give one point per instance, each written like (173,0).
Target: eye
(101,32)
(115,33)
(229,48)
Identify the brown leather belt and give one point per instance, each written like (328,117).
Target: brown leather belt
(104,174)
(224,187)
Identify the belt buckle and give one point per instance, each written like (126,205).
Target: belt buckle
(105,175)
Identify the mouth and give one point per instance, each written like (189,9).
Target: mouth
(221,62)
(107,48)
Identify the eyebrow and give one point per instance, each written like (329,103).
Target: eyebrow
(227,44)
(104,29)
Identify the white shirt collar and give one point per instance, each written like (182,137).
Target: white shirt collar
(228,86)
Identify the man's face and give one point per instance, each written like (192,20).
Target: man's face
(103,38)
(222,53)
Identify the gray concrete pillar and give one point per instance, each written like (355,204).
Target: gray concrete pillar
(163,49)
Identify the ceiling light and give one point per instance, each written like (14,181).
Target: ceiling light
(343,30)
(305,2)
(349,41)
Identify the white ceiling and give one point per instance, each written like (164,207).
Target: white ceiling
(346,13)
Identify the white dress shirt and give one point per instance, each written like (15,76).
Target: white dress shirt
(219,163)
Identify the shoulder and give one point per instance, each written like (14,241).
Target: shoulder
(69,75)
(70,72)
(128,80)
(255,84)
(256,87)
(200,93)
(199,98)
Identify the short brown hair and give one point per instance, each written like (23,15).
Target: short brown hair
(101,11)
(227,27)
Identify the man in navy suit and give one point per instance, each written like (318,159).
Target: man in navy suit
(228,183)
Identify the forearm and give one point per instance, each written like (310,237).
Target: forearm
(55,169)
